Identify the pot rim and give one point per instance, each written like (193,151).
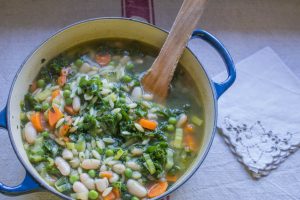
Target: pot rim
(44,185)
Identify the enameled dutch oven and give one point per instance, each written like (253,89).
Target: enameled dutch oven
(100,28)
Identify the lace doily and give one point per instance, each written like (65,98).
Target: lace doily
(259,149)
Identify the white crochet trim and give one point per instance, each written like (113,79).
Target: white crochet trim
(260,150)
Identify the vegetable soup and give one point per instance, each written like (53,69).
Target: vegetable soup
(91,131)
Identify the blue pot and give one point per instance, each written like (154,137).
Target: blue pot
(207,90)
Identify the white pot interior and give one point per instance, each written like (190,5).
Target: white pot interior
(107,28)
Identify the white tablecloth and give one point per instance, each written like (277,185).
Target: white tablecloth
(243,26)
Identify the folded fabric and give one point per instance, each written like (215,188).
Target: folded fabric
(259,116)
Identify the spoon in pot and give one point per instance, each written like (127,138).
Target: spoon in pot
(157,79)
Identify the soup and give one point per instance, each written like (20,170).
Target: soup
(91,131)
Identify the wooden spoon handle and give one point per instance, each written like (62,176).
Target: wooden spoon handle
(158,78)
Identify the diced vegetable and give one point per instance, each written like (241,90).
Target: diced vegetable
(54,115)
(119,153)
(149,163)
(170,161)
(36,120)
(178,138)
(171,178)
(148,124)
(103,59)
(196,120)
(62,185)
(157,189)
(189,128)
(190,141)
(106,174)
(43,95)
(63,130)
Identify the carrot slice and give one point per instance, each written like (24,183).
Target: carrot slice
(36,121)
(63,130)
(190,141)
(110,196)
(33,86)
(171,178)
(70,110)
(54,94)
(103,59)
(189,128)
(116,192)
(148,124)
(62,80)
(106,174)
(157,189)
(54,114)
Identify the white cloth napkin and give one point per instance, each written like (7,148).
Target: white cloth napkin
(259,116)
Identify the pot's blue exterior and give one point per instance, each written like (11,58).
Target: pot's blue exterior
(29,184)
(214,42)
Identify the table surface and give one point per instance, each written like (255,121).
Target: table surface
(243,26)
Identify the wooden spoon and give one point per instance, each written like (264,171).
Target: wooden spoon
(158,77)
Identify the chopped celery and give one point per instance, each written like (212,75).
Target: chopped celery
(196,120)
(62,185)
(170,161)
(70,145)
(43,95)
(35,158)
(119,154)
(149,164)
(178,138)
(80,146)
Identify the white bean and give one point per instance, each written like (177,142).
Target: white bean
(136,93)
(109,140)
(75,162)
(114,178)
(67,154)
(137,151)
(139,127)
(107,191)
(148,96)
(181,121)
(100,144)
(136,189)
(81,156)
(96,154)
(76,104)
(62,166)
(136,175)
(85,68)
(133,165)
(119,168)
(78,187)
(151,116)
(113,162)
(87,181)
(30,133)
(101,184)
(90,164)
(132,105)
(103,168)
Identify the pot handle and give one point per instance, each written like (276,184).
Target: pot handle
(214,42)
(28,184)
